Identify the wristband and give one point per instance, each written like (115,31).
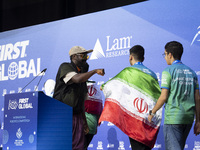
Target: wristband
(150,113)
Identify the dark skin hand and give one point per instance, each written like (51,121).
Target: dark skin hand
(83,77)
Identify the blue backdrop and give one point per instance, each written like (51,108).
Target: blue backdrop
(111,33)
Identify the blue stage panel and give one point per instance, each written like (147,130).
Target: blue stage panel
(34,121)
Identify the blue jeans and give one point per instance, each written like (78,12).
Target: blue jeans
(176,135)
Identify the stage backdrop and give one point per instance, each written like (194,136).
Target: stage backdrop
(111,33)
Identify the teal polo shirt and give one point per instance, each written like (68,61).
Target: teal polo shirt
(181,81)
(140,66)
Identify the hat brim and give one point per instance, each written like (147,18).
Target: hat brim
(88,51)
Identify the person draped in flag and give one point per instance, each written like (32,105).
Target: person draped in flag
(130,94)
(136,58)
(180,94)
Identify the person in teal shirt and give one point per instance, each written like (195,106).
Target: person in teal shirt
(180,93)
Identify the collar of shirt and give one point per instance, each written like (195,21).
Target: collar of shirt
(177,61)
(78,69)
(138,63)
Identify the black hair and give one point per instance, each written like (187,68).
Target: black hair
(175,48)
(137,52)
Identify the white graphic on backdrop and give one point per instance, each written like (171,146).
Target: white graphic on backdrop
(196,145)
(110,145)
(196,35)
(118,46)
(121,145)
(20,69)
(118,43)
(97,51)
(13,51)
(157,146)
(100,145)
(13,70)
(114,47)
(91,145)
(49,86)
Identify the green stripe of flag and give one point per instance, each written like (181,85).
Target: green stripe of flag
(140,81)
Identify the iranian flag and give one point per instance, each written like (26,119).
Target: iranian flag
(128,98)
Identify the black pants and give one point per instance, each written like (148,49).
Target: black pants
(135,145)
(88,139)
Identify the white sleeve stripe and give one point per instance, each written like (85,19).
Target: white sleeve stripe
(69,76)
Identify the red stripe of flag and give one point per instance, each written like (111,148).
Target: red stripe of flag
(130,124)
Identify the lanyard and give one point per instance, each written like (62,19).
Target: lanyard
(177,61)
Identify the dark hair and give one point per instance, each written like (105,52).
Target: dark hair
(137,52)
(175,48)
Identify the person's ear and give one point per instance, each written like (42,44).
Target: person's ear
(130,57)
(170,55)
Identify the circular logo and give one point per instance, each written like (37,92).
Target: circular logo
(31,138)
(12,104)
(140,105)
(92,90)
(13,70)
(5,136)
